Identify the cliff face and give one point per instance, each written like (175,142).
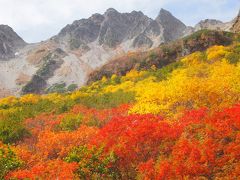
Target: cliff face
(10,42)
(172,27)
(236,24)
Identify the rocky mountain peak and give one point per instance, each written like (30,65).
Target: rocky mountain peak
(5,27)
(165,16)
(173,27)
(111,10)
(210,21)
(10,42)
(97,18)
(236,24)
(137,13)
(109,29)
(118,27)
(163,13)
(113,28)
(212,24)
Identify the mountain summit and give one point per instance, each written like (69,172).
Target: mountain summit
(10,42)
(173,28)
(113,28)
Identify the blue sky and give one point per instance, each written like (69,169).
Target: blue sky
(36,20)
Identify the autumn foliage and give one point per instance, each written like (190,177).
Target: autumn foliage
(178,122)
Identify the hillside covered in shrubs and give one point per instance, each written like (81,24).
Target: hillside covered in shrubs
(179,120)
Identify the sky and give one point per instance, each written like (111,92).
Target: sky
(37,20)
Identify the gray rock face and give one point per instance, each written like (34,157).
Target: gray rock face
(238,13)
(118,27)
(209,24)
(172,27)
(81,32)
(10,42)
(236,24)
(154,29)
(112,28)
(142,41)
(85,30)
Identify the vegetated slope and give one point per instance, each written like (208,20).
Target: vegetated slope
(163,55)
(175,122)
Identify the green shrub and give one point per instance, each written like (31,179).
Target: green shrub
(197,34)
(233,58)
(93,164)
(11,125)
(164,72)
(57,88)
(72,87)
(71,122)
(8,161)
(107,100)
(153,56)
(12,131)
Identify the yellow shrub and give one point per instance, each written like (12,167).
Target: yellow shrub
(10,101)
(193,58)
(104,79)
(217,52)
(215,86)
(30,99)
(126,86)
(133,75)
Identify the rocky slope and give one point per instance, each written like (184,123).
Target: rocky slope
(83,46)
